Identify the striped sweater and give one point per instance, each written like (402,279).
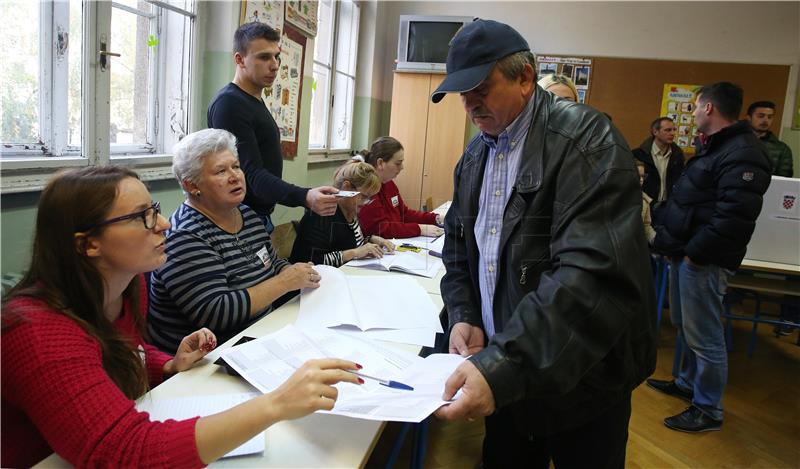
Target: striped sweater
(205,279)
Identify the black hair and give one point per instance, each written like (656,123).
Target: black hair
(726,97)
(249,32)
(767,104)
(656,124)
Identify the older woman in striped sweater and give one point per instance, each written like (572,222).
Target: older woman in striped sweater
(222,271)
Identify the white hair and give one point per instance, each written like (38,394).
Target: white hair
(189,153)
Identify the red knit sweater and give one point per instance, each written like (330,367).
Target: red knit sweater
(386,215)
(56,396)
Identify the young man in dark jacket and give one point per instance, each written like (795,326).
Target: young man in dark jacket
(662,158)
(705,228)
(546,258)
(760,115)
(239,109)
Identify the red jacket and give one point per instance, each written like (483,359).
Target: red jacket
(56,396)
(386,215)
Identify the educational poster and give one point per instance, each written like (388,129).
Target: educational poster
(263,11)
(303,14)
(577,69)
(677,103)
(283,98)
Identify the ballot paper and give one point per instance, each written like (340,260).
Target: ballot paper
(383,307)
(267,362)
(414,263)
(183,408)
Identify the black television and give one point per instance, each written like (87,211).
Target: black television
(423,41)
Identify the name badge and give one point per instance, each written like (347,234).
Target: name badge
(263,254)
(395,201)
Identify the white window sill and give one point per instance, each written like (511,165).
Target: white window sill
(322,156)
(32,174)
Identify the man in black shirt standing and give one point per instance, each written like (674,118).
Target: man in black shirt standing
(238,108)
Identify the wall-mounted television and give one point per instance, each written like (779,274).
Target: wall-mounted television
(423,41)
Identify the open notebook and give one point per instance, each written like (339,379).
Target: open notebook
(407,262)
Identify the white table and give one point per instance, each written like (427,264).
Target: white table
(318,440)
(771,267)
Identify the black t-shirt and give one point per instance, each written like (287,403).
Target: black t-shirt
(259,146)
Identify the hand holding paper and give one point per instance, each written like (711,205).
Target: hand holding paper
(476,398)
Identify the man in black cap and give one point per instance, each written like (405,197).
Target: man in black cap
(548,285)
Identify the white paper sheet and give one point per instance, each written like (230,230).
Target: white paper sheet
(367,302)
(257,360)
(188,407)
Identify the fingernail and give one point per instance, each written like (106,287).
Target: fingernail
(360,381)
(358,366)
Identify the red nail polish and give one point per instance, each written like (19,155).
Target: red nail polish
(358,366)
(360,381)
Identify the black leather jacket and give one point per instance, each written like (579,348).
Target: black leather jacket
(574,307)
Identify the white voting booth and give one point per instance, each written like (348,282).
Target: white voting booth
(777,234)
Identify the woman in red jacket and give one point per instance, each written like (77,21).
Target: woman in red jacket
(386,214)
(72,350)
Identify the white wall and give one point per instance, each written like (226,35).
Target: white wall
(743,32)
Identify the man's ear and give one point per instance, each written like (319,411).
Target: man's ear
(347,186)
(238,59)
(528,77)
(86,245)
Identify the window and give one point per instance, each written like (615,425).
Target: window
(333,92)
(87,82)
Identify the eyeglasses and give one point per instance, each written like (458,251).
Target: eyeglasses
(149,217)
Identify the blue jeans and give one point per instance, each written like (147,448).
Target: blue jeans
(695,306)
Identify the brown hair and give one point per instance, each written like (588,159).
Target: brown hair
(63,277)
(383,148)
(359,173)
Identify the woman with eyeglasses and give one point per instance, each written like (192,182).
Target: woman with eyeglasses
(336,239)
(559,85)
(73,353)
(222,271)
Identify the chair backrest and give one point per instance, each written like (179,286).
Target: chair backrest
(283,238)
(428,204)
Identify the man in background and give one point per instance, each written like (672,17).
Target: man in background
(760,115)
(239,109)
(705,228)
(662,158)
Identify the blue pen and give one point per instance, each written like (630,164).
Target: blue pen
(386,382)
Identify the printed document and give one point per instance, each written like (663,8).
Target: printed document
(267,362)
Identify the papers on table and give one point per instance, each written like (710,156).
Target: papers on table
(394,308)
(269,361)
(188,407)
(408,262)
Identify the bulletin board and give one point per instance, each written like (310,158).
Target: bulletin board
(283,98)
(631,90)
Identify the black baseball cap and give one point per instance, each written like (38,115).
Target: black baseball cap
(473,52)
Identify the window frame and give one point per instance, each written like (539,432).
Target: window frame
(326,153)
(28,169)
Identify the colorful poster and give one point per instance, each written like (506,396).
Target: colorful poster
(269,12)
(577,69)
(303,14)
(283,98)
(677,103)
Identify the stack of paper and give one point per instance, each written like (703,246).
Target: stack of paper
(267,362)
(188,407)
(393,308)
